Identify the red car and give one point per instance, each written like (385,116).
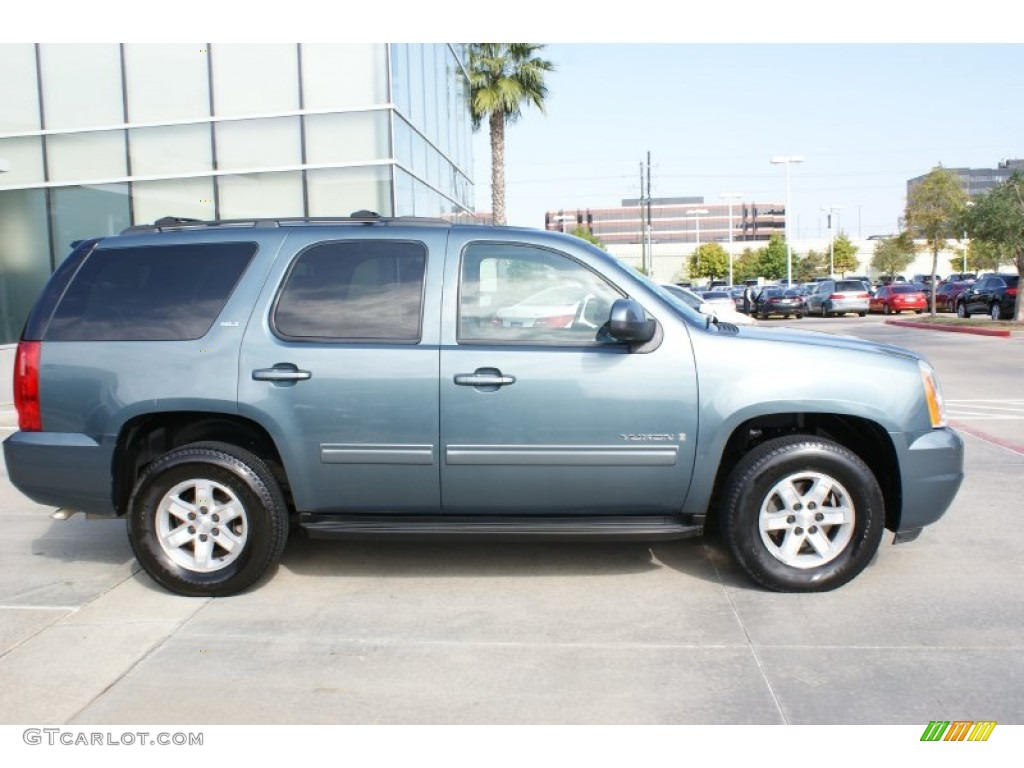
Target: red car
(893,299)
(947,293)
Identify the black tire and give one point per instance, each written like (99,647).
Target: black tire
(961,310)
(789,557)
(862,314)
(239,532)
(824,312)
(995,313)
(886,309)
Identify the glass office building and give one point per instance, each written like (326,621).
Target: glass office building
(97,137)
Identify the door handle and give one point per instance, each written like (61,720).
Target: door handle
(281,372)
(484,377)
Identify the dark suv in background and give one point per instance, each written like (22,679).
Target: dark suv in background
(992,295)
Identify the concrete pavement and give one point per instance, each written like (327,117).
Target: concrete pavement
(519,633)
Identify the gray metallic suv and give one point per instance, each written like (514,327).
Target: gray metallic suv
(219,384)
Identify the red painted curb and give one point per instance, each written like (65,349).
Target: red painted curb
(1007,444)
(952,328)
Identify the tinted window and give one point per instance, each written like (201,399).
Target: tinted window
(154,293)
(354,291)
(906,289)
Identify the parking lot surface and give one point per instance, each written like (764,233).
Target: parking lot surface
(473,633)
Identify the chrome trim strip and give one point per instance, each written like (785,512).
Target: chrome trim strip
(563,455)
(368,453)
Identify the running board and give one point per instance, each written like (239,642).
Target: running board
(506,527)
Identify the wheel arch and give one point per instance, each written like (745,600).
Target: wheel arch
(867,439)
(147,437)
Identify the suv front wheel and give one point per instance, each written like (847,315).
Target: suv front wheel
(802,514)
(207,519)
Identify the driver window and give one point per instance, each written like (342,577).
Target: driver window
(526,294)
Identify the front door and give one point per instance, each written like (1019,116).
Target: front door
(540,410)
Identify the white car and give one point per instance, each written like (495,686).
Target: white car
(715,307)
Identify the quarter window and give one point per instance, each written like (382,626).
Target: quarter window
(524,294)
(155,293)
(354,291)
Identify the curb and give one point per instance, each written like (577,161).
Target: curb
(952,328)
(1009,445)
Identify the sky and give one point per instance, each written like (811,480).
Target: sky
(865,117)
(870,95)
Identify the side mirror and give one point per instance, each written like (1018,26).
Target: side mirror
(628,322)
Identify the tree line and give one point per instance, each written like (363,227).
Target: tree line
(989,227)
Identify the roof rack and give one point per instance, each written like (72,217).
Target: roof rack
(175,223)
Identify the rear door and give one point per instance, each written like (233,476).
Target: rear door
(341,366)
(540,413)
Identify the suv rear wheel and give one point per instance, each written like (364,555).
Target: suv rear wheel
(994,312)
(802,514)
(207,519)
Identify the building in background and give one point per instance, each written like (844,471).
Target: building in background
(98,137)
(978,181)
(677,226)
(673,220)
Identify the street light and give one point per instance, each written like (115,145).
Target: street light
(967,244)
(697,213)
(788,160)
(830,209)
(730,196)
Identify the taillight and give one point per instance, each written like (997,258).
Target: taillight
(26,386)
(1011,291)
(555,321)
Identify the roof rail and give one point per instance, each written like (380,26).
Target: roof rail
(364,217)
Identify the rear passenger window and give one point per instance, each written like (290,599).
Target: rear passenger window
(354,291)
(155,293)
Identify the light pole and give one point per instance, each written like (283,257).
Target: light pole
(788,160)
(730,196)
(830,209)
(970,204)
(697,213)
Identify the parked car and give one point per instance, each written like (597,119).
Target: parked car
(779,301)
(720,310)
(994,295)
(961,276)
(719,299)
(896,298)
(558,306)
(838,297)
(218,385)
(947,294)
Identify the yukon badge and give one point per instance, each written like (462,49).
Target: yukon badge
(654,438)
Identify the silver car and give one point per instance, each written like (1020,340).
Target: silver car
(838,297)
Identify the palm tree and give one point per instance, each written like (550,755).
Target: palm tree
(503,77)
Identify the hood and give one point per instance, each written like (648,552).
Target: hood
(821,339)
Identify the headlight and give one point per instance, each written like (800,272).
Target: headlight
(933,394)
